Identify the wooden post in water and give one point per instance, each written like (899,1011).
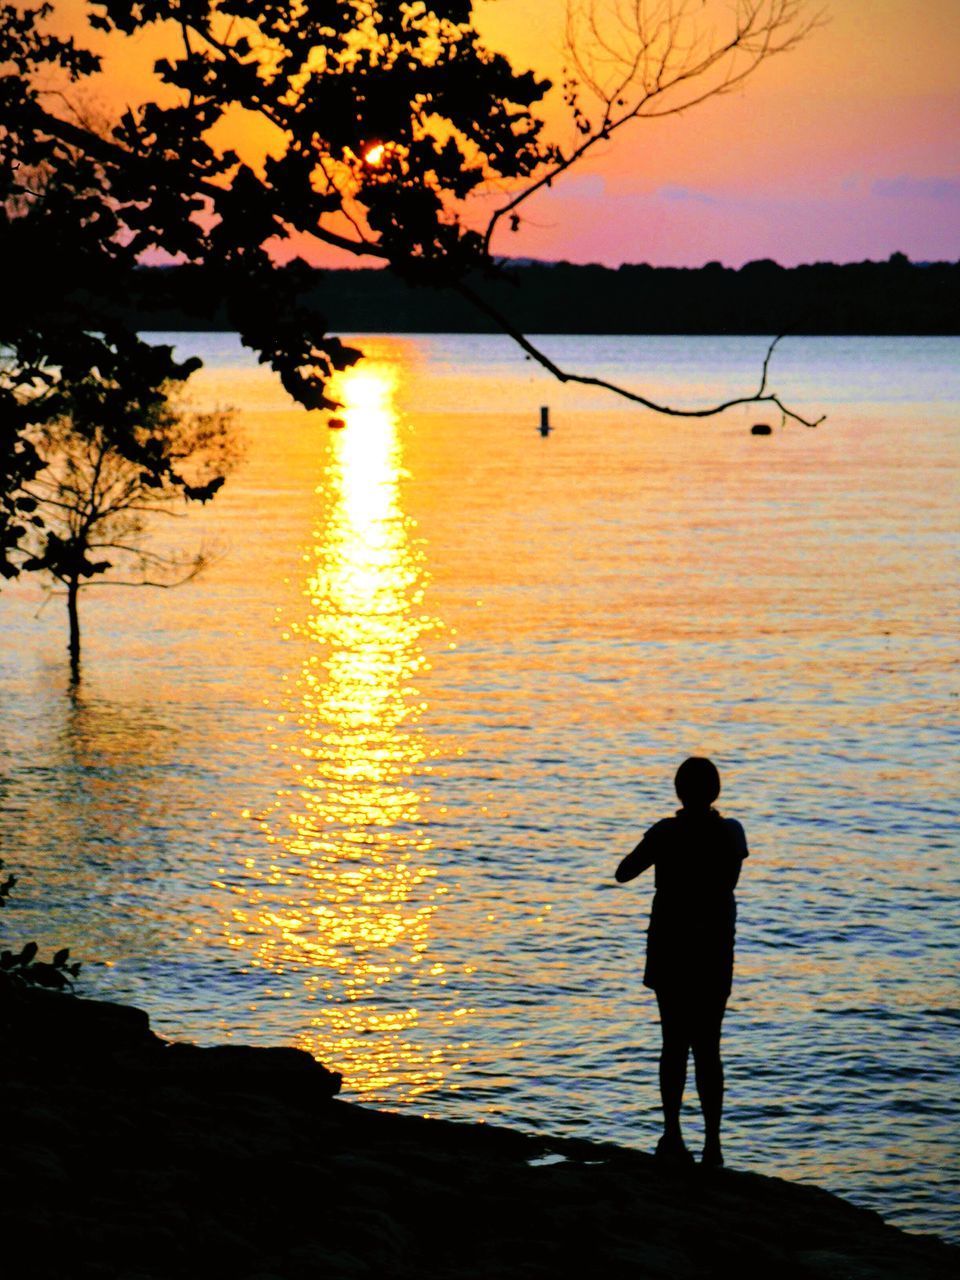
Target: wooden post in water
(544,419)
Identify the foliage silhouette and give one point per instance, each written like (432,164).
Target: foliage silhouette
(99,443)
(64,355)
(374,123)
(23,968)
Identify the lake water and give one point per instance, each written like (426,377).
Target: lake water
(362,786)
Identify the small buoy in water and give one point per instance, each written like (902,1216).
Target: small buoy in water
(336,424)
(545,427)
(761,429)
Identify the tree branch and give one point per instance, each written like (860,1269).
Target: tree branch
(110,152)
(132,550)
(652,65)
(145,582)
(229,54)
(760,396)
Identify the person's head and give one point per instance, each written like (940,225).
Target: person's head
(697,783)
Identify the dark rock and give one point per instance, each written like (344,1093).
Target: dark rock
(60,1031)
(761,429)
(60,1027)
(236,1067)
(229,1163)
(41,1167)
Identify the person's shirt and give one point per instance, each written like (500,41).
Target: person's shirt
(695,855)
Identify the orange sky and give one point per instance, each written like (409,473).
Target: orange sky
(848,147)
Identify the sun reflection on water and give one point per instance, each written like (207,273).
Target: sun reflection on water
(347,899)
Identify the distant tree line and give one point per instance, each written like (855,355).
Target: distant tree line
(892,297)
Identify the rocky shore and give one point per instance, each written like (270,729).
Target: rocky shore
(130,1158)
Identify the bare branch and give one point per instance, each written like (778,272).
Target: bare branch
(760,396)
(142,582)
(141,553)
(663,61)
(641,59)
(30,491)
(144,509)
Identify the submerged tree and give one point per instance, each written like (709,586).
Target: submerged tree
(90,504)
(375,127)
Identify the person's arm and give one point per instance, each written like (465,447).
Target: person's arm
(740,850)
(637,861)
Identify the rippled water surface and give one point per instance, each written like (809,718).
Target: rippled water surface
(363,785)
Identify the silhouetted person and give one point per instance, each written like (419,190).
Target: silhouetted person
(696,857)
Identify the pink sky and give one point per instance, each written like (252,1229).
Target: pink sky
(846,148)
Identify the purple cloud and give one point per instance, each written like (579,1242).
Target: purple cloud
(687,194)
(905,188)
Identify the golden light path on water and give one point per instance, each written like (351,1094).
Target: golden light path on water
(348,896)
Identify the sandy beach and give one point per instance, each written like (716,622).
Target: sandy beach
(132,1157)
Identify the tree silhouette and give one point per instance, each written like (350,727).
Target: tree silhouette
(89,504)
(65,360)
(96,441)
(376,126)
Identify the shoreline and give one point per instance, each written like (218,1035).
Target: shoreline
(131,1156)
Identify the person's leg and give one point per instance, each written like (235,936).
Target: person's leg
(673,1069)
(705,1042)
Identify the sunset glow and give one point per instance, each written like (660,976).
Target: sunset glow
(347,836)
(477,548)
(843,149)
